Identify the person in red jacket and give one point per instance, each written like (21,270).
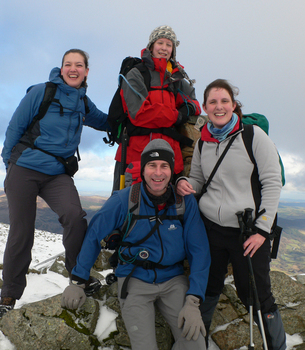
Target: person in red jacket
(157,111)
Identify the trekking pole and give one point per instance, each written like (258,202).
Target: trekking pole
(123,158)
(252,284)
(250,301)
(49,259)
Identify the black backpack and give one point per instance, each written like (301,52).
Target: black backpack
(117,118)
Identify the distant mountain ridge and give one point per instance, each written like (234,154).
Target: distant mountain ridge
(291,257)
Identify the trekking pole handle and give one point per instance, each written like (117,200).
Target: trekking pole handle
(239,215)
(248,218)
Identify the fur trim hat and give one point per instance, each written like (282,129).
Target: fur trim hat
(158,149)
(164,32)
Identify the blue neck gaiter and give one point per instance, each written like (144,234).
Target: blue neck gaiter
(221,134)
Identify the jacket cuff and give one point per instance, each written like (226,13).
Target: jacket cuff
(262,232)
(181,178)
(78,279)
(197,296)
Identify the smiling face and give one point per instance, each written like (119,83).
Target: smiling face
(157,175)
(219,107)
(162,48)
(74,69)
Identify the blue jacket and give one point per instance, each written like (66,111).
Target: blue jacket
(59,135)
(170,245)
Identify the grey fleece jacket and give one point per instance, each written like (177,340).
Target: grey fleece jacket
(230,190)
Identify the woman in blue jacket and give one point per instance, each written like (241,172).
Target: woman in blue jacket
(33,169)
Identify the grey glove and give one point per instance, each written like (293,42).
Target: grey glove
(73,296)
(190,318)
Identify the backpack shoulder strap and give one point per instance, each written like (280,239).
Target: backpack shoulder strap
(145,73)
(180,205)
(134,200)
(87,110)
(48,97)
(247,136)
(200,144)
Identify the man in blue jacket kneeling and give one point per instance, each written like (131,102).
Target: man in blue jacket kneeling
(150,271)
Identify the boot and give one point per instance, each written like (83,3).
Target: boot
(274,330)
(6,304)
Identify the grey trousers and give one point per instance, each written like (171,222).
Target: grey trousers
(138,311)
(22,186)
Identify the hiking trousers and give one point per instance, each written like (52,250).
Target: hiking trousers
(138,311)
(226,246)
(22,186)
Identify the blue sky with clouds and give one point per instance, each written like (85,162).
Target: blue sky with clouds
(259,46)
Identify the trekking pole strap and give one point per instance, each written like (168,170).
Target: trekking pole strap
(124,292)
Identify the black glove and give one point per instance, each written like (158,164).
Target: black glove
(183,114)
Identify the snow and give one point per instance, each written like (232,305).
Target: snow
(46,247)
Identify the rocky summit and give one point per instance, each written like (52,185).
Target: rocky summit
(45,325)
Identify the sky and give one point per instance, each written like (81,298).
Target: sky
(48,245)
(259,46)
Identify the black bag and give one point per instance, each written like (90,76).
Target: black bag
(70,164)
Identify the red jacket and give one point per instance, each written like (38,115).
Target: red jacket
(157,108)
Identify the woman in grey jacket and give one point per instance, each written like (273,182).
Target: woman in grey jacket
(229,192)
(33,169)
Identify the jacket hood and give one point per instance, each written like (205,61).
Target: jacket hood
(56,78)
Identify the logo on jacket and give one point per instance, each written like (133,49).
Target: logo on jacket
(154,154)
(172,227)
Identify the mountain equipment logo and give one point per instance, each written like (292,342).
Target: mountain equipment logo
(154,154)
(172,227)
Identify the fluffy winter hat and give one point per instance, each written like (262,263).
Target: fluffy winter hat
(164,32)
(158,149)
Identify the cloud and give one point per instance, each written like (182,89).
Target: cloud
(258,47)
(95,167)
(294,172)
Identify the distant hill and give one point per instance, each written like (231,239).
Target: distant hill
(46,219)
(291,257)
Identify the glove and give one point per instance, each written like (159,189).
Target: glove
(182,119)
(183,114)
(190,318)
(133,173)
(73,296)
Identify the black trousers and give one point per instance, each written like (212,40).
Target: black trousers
(22,186)
(225,247)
